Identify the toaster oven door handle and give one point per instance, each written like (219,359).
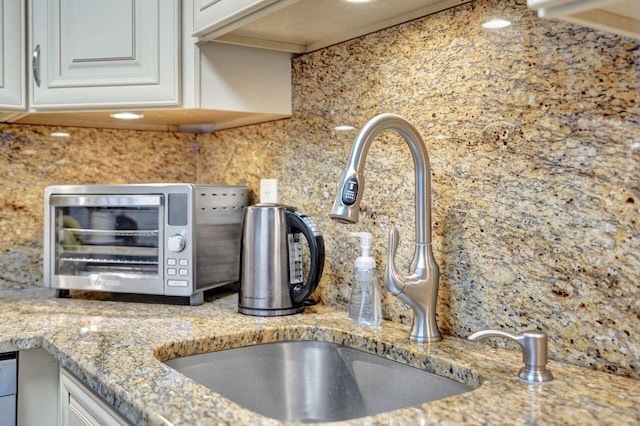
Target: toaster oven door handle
(105,200)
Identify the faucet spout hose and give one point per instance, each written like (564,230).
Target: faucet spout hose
(419,289)
(351,185)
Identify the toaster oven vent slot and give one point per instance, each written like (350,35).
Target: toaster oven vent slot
(222,203)
(221,208)
(224,194)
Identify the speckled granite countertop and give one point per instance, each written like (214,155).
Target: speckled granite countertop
(115,348)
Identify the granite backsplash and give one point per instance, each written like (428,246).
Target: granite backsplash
(533,134)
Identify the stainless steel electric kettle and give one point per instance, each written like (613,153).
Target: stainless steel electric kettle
(271,272)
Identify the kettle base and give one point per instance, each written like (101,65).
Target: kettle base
(271,312)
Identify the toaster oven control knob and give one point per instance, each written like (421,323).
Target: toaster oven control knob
(176,243)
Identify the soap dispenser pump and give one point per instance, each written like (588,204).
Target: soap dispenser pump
(364,303)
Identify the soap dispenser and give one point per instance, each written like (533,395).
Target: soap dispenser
(364,303)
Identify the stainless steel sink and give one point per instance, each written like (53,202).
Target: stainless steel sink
(309,381)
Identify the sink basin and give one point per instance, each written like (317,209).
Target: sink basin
(310,381)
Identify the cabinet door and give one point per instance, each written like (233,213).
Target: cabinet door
(37,388)
(80,407)
(12,62)
(96,53)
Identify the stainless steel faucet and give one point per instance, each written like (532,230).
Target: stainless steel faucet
(420,288)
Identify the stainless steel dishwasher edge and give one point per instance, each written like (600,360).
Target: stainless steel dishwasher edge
(8,388)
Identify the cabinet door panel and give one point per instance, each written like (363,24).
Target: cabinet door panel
(80,407)
(95,54)
(88,21)
(12,47)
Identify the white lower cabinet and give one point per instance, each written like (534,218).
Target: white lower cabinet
(81,407)
(49,395)
(37,388)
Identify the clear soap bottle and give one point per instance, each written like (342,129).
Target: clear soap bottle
(364,303)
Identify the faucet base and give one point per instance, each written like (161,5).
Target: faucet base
(425,339)
(424,331)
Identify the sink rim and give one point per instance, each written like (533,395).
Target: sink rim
(314,401)
(404,352)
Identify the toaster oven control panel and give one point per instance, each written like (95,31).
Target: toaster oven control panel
(178,272)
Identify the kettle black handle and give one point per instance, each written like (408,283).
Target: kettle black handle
(304,224)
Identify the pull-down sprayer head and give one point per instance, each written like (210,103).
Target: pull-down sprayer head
(347,204)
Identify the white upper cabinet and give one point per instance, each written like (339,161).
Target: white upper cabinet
(90,58)
(191,65)
(97,54)
(617,16)
(300,26)
(12,60)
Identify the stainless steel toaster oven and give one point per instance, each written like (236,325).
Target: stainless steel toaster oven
(160,239)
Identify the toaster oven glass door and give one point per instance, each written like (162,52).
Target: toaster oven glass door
(114,236)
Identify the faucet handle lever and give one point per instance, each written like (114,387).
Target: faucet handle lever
(395,281)
(394,236)
(534,352)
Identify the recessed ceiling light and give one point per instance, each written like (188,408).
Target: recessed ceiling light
(59,134)
(496,23)
(343,128)
(127,116)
